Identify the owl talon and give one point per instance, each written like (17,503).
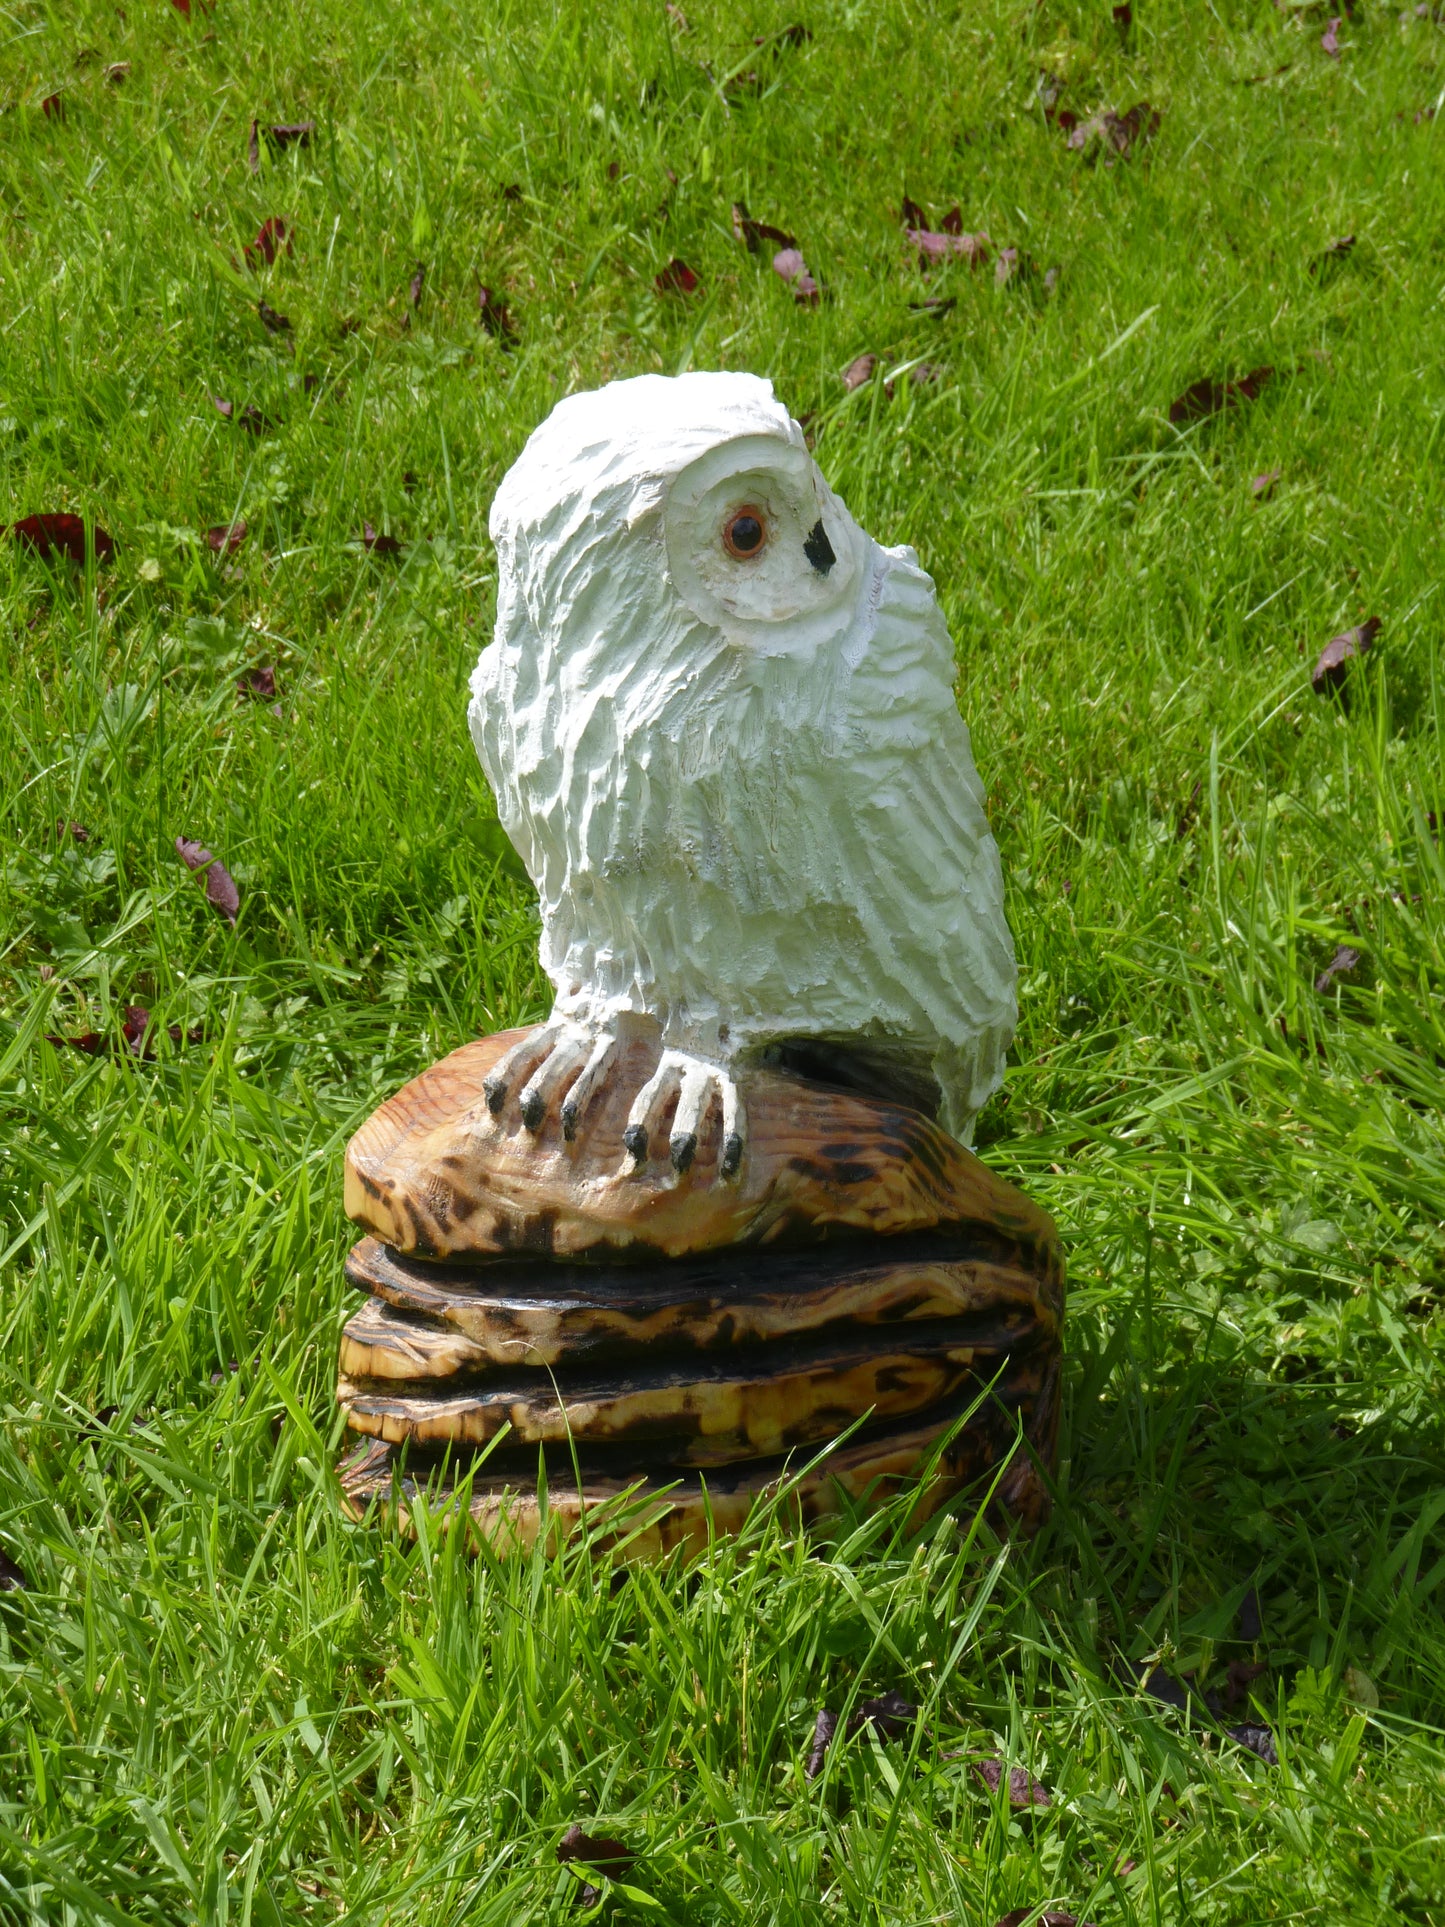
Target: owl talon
(696,1085)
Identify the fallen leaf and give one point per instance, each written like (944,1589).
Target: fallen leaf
(379,544)
(1330,39)
(1259,1739)
(677,278)
(258,682)
(594,1850)
(495,315)
(65,828)
(272,238)
(1262,486)
(116,72)
(221,891)
(1361,1690)
(1117,132)
(790,265)
(12,1579)
(1240,1676)
(418,284)
(751,232)
(1250,1626)
(937,305)
(912,215)
(1124,19)
(924,373)
(1160,1686)
(952,222)
(1332,257)
(678,18)
(512,191)
(889,1716)
(1023,1789)
(1014,265)
(226,537)
(53,107)
(859,371)
(136,1023)
(1339,652)
(1048,1918)
(933,246)
(61,535)
(276,324)
(1185,822)
(1209,396)
(824,1730)
(1340,965)
(90,1041)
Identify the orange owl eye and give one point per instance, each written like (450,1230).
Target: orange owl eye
(744,533)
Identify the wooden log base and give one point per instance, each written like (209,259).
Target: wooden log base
(691,1337)
(648,1514)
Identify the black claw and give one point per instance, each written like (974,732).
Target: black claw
(570,1114)
(681,1150)
(494,1090)
(534,1109)
(732,1155)
(635,1139)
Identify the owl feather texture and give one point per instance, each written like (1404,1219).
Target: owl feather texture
(720,723)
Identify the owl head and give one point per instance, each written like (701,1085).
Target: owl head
(689,500)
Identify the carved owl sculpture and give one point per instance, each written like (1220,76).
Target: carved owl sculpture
(720,723)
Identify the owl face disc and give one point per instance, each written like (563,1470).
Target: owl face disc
(759,547)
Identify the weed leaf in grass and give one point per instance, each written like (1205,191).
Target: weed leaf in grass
(221,891)
(62,535)
(1333,666)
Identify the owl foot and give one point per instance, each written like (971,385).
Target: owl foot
(696,1083)
(549,1061)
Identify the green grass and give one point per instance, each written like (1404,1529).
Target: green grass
(220,1702)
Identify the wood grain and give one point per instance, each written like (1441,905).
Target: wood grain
(506,1311)
(640,1515)
(706,1410)
(433,1174)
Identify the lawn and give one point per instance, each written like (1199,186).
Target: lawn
(220,1701)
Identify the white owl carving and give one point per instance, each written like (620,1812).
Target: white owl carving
(720,724)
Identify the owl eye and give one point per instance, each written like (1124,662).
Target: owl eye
(744,533)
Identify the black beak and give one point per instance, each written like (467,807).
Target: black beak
(819,550)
